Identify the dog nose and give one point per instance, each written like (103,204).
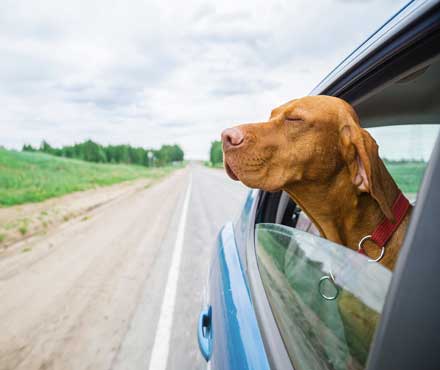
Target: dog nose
(232,137)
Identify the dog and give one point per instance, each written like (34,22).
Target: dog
(314,149)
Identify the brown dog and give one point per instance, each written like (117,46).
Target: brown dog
(314,149)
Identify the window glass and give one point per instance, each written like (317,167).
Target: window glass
(405,150)
(326,298)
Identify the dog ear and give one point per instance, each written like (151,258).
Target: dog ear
(361,153)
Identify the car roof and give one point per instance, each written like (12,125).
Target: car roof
(409,14)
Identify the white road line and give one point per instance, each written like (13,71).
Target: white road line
(159,354)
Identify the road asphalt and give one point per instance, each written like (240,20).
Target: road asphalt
(89,295)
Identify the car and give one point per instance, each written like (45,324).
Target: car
(281,297)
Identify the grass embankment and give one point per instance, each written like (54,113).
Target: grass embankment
(408,175)
(32,177)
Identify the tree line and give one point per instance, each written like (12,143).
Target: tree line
(216,153)
(93,152)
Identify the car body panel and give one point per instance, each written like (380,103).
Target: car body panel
(244,226)
(236,338)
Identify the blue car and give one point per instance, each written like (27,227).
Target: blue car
(281,297)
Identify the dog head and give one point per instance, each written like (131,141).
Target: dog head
(306,140)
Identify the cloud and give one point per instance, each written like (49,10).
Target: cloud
(149,73)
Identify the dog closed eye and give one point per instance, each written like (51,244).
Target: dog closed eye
(293,120)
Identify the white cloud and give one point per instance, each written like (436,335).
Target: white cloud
(149,73)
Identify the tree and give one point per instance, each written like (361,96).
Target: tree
(168,154)
(28,148)
(68,152)
(46,148)
(216,153)
(93,152)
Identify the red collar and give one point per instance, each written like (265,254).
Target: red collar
(383,232)
(386,228)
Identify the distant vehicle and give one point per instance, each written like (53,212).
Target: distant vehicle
(280,297)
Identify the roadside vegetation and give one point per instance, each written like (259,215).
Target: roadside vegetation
(408,174)
(91,151)
(36,176)
(215,155)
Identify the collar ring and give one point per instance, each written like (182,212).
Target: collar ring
(362,250)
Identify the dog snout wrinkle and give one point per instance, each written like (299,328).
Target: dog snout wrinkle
(232,137)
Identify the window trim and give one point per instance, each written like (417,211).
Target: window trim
(398,40)
(275,348)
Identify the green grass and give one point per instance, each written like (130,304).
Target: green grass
(408,175)
(32,177)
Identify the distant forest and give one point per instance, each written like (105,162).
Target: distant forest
(94,152)
(216,153)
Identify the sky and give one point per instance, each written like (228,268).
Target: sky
(149,73)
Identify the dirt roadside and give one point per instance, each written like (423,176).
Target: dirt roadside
(68,302)
(24,222)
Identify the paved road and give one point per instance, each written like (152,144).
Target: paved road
(89,295)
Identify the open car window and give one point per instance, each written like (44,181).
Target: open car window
(326,299)
(405,150)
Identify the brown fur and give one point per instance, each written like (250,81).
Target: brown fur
(314,149)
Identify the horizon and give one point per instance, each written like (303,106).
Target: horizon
(152,74)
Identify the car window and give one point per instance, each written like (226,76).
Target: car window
(405,150)
(326,299)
